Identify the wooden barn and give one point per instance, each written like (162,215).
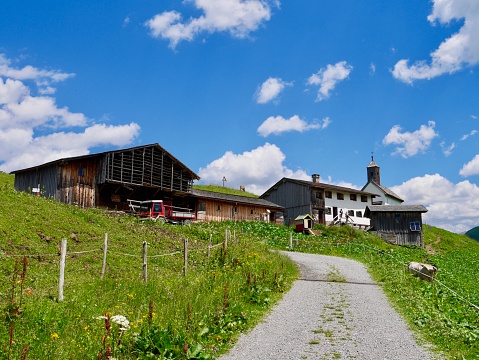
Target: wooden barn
(397,224)
(214,206)
(108,179)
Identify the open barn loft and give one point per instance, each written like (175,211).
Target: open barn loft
(108,179)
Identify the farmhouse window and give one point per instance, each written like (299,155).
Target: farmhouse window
(353,197)
(364,198)
(218,208)
(235,209)
(350,212)
(202,206)
(328,194)
(251,211)
(340,196)
(81,171)
(415,226)
(359,214)
(319,195)
(328,211)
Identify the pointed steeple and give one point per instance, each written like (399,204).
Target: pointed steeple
(373,172)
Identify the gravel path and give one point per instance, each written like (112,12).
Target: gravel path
(320,318)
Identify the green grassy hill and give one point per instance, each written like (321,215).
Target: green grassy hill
(473,233)
(225,291)
(225,190)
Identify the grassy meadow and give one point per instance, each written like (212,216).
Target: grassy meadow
(226,289)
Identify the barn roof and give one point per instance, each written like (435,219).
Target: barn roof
(319,185)
(394,208)
(235,199)
(65,160)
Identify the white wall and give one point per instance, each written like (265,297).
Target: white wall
(348,204)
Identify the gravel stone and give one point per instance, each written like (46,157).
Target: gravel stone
(334,311)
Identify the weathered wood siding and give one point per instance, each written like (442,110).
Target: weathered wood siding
(215,210)
(44,177)
(394,227)
(77,182)
(295,198)
(146,166)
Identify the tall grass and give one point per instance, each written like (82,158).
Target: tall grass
(170,316)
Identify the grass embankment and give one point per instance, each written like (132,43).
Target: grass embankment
(219,297)
(444,313)
(225,190)
(170,316)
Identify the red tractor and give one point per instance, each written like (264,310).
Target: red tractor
(161,210)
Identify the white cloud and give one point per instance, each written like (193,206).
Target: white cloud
(277,125)
(447,150)
(473,116)
(257,169)
(372,68)
(411,143)
(270,90)
(327,78)
(238,17)
(42,78)
(450,206)
(461,49)
(472,133)
(22,115)
(471,168)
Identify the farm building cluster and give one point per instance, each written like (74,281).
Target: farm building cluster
(149,180)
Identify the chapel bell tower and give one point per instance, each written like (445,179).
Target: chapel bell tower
(373,172)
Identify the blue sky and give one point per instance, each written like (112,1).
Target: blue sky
(254,90)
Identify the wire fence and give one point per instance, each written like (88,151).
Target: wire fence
(64,254)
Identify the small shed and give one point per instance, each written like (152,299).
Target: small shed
(397,224)
(303,223)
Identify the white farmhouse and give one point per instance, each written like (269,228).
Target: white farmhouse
(328,204)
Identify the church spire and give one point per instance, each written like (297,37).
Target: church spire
(373,171)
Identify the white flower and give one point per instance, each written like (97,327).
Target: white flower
(122,321)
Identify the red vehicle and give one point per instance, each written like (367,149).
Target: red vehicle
(161,210)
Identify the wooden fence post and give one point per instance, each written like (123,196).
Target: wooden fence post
(209,246)
(61,281)
(225,245)
(145,265)
(105,249)
(185,265)
(290,240)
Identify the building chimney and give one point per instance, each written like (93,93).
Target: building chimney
(316,178)
(242,188)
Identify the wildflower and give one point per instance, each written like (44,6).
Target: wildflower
(122,321)
(54,336)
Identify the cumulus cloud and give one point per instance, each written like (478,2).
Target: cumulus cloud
(277,125)
(461,49)
(43,78)
(22,115)
(450,206)
(270,90)
(327,78)
(470,168)
(257,169)
(238,17)
(411,143)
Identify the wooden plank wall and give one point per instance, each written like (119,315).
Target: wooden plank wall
(146,166)
(45,177)
(77,182)
(221,211)
(394,228)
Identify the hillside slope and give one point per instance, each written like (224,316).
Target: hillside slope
(473,233)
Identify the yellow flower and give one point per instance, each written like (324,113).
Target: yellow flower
(54,336)
(130,296)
